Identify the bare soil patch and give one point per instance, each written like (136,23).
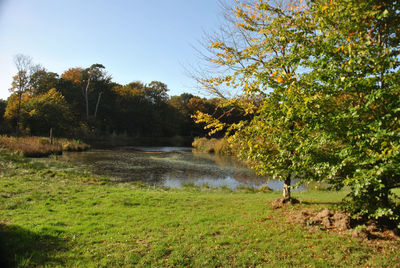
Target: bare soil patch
(337,221)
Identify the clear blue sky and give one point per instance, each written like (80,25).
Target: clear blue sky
(142,40)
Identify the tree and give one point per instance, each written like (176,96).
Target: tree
(156,92)
(355,70)
(322,80)
(90,80)
(39,113)
(259,52)
(21,81)
(42,81)
(94,72)
(3,105)
(15,113)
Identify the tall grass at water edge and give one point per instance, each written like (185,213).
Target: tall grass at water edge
(213,145)
(40,146)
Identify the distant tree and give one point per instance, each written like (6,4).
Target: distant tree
(42,81)
(90,80)
(71,85)
(180,113)
(94,72)
(133,110)
(21,81)
(73,74)
(15,112)
(156,92)
(39,113)
(3,105)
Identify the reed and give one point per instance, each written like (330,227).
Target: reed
(213,145)
(40,146)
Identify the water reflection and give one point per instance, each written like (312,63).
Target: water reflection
(169,167)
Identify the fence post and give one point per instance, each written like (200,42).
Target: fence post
(51,135)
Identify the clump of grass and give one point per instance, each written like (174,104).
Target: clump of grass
(72,145)
(213,145)
(29,146)
(222,147)
(39,146)
(204,145)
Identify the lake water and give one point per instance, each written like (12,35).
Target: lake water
(169,167)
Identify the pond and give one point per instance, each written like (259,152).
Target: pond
(169,167)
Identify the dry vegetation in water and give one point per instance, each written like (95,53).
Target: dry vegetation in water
(213,145)
(40,146)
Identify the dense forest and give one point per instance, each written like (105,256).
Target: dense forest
(86,103)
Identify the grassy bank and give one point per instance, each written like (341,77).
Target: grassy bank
(53,214)
(40,146)
(212,145)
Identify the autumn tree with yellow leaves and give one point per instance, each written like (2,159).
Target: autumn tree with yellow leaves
(322,81)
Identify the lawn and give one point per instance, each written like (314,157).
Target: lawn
(54,214)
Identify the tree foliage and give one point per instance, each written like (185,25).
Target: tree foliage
(321,79)
(92,105)
(41,112)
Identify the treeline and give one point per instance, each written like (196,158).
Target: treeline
(85,102)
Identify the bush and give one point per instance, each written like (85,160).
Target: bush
(218,146)
(204,145)
(222,147)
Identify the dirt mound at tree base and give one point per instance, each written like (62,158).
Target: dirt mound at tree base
(341,222)
(283,202)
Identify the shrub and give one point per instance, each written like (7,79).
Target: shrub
(204,145)
(222,147)
(218,146)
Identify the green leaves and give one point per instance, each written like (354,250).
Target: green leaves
(326,80)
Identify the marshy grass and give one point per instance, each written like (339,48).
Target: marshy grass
(40,146)
(213,145)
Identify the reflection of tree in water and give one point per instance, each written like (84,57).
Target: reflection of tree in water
(220,160)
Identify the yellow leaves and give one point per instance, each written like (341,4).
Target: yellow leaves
(279,79)
(216,45)
(306,100)
(32,113)
(238,12)
(339,49)
(213,124)
(73,74)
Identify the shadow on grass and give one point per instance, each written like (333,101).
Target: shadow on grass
(20,247)
(320,202)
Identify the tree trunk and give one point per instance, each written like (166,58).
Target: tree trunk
(286,187)
(87,99)
(97,105)
(18,112)
(51,135)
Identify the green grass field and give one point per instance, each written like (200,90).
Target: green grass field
(53,214)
